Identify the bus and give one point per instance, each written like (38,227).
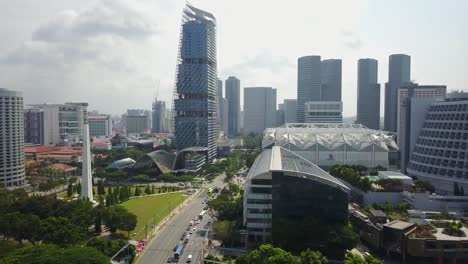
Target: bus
(202,213)
(179,251)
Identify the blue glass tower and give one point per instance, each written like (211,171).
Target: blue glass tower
(195,93)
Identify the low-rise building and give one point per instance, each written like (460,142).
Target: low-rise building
(55,154)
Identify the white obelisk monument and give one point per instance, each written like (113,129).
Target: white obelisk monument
(86,181)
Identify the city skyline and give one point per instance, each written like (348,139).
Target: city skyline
(144,50)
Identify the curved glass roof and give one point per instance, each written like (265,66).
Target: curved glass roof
(162,159)
(281,159)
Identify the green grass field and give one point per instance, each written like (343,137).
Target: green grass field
(146,208)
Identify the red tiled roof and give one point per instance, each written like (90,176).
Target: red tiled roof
(65,167)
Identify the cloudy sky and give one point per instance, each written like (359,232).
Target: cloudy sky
(115,53)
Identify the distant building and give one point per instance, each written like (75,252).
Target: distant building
(137,121)
(317,81)
(159,117)
(324,112)
(219,112)
(440,152)
(368,97)
(309,83)
(224,115)
(34,127)
(331,80)
(100,126)
(280,115)
(233,96)
(283,190)
(195,101)
(259,108)
(330,144)
(12,171)
(413,102)
(290,110)
(63,123)
(399,73)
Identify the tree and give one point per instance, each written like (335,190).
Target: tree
(69,189)
(128,223)
(153,189)
(137,191)
(267,254)
(59,231)
(371,260)
(225,230)
(354,259)
(117,217)
(147,190)
(100,188)
(51,254)
(312,257)
(78,188)
(84,255)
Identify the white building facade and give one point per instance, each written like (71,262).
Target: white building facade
(329,144)
(12,172)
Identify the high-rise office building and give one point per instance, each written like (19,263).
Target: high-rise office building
(12,172)
(224,115)
(399,73)
(290,110)
(196,82)
(323,112)
(280,115)
(34,127)
(63,123)
(259,109)
(368,97)
(232,88)
(441,150)
(159,117)
(413,102)
(317,81)
(331,80)
(309,83)
(220,104)
(138,121)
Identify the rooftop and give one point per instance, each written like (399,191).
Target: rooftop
(281,159)
(377,213)
(398,224)
(330,136)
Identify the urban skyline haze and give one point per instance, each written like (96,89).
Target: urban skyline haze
(119,50)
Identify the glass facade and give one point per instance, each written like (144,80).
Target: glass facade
(195,97)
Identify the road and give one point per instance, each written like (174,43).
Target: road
(161,248)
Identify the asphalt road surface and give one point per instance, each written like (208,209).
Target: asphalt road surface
(162,246)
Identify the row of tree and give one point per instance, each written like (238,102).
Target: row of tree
(48,220)
(267,254)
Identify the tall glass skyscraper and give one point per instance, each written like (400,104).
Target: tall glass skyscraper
(309,83)
(233,96)
(399,72)
(195,93)
(368,97)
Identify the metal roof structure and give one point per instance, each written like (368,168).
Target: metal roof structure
(163,160)
(329,135)
(281,159)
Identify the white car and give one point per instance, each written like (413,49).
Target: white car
(189,258)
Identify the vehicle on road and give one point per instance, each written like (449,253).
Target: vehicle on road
(202,213)
(179,251)
(170,259)
(189,258)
